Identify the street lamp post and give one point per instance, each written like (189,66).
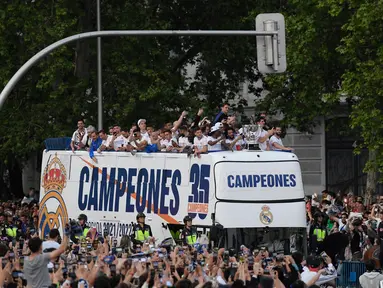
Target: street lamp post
(261,51)
(99,70)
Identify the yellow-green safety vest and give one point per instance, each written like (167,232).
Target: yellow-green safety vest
(320,233)
(84,233)
(142,235)
(11,232)
(191,239)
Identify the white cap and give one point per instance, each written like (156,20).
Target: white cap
(218,124)
(139,121)
(214,128)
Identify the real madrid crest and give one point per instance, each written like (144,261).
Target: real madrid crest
(53,212)
(266,217)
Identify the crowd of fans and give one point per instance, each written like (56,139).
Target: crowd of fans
(181,136)
(84,258)
(347,230)
(339,229)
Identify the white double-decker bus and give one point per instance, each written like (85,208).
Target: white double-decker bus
(242,197)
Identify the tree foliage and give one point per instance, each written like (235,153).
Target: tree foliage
(333,50)
(142,76)
(335,54)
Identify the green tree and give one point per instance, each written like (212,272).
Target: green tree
(314,67)
(362,50)
(334,51)
(142,77)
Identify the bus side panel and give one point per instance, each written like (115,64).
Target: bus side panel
(112,191)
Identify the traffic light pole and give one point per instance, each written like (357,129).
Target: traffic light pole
(43,53)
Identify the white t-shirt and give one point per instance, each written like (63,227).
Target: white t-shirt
(133,143)
(78,136)
(183,141)
(331,274)
(275,139)
(119,141)
(146,137)
(106,142)
(239,143)
(263,146)
(215,147)
(50,244)
(165,142)
(200,143)
(342,227)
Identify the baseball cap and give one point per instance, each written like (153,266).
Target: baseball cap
(141,120)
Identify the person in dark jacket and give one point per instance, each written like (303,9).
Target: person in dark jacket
(317,234)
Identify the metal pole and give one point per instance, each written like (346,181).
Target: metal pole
(99,70)
(23,69)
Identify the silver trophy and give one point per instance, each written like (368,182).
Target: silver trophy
(251,133)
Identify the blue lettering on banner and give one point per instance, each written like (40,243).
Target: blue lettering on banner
(83,199)
(262,180)
(107,190)
(146,190)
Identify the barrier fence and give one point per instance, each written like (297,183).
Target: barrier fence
(350,273)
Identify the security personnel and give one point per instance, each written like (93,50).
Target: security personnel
(141,232)
(11,228)
(82,219)
(317,234)
(189,234)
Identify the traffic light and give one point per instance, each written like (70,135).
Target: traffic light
(271,49)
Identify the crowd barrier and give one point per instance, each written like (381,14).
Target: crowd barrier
(350,273)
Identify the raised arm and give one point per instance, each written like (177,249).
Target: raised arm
(267,135)
(179,121)
(56,253)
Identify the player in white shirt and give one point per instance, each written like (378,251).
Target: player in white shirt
(137,141)
(199,143)
(119,142)
(263,136)
(79,136)
(144,133)
(276,143)
(215,139)
(169,143)
(166,143)
(106,140)
(233,142)
(183,140)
